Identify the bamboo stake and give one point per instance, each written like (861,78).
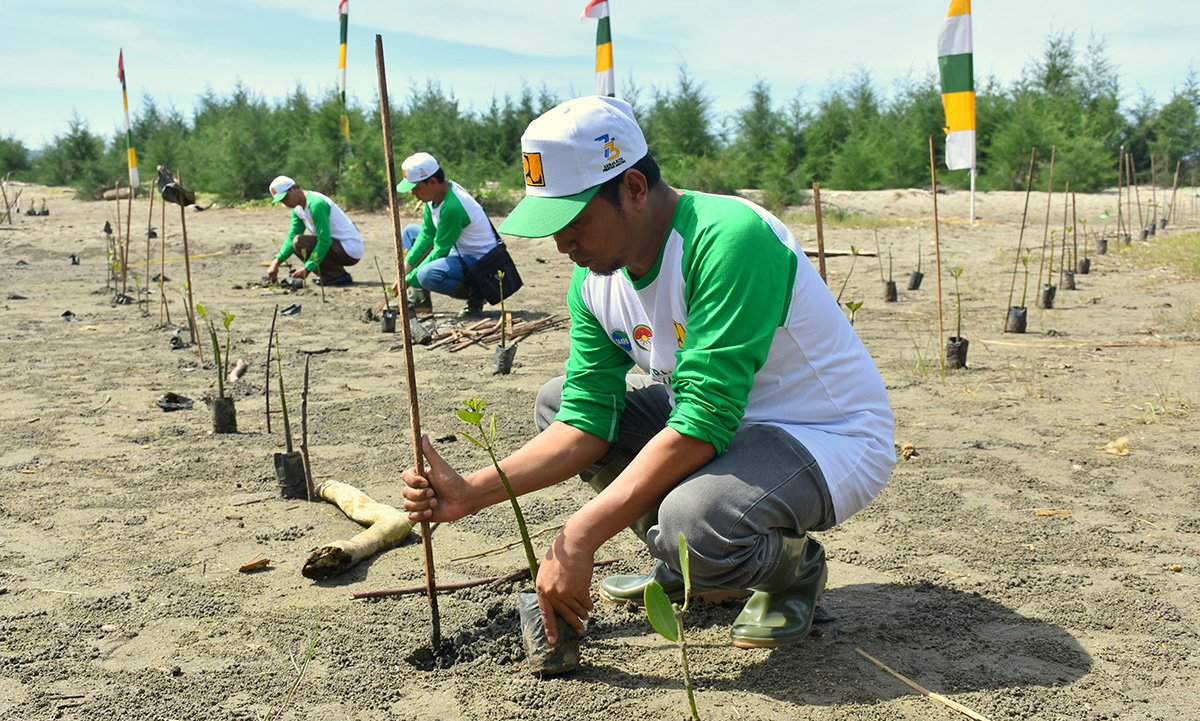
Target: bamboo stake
(1046,228)
(937,250)
(1153,191)
(162,266)
(1062,261)
(1120,190)
(7,205)
(1075,236)
(128,240)
(267,382)
(879,255)
(820,232)
(187,260)
(930,694)
(411,375)
(308,477)
(149,220)
(1137,196)
(1020,237)
(1174,188)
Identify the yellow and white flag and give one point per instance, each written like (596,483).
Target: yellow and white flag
(605,85)
(955,61)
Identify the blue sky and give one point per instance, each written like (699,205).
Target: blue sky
(60,57)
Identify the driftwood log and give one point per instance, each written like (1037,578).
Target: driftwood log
(387,527)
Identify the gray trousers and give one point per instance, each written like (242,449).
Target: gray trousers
(733,511)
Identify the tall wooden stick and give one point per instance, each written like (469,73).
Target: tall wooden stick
(1120,190)
(1174,188)
(1046,229)
(820,232)
(937,248)
(308,478)
(1062,261)
(1075,236)
(267,382)
(879,255)
(1153,191)
(1136,195)
(187,262)
(149,220)
(1021,237)
(411,374)
(162,265)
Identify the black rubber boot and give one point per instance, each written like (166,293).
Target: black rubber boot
(781,610)
(420,301)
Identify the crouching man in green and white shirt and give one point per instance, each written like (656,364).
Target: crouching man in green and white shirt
(321,234)
(762,418)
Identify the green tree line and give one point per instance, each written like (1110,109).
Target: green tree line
(856,135)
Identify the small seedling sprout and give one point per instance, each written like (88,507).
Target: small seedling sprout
(854,252)
(853,306)
(956,272)
(667,618)
(222,368)
(473,415)
(1025,262)
(382,283)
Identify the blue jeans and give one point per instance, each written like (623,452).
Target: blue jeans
(442,275)
(734,510)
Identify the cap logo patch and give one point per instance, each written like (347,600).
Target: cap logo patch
(534,176)
(612,153)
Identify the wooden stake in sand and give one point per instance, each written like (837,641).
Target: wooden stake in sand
(820,232)
(1174,188)
(1153,192)
(308,477)
(267,382)
(1046,228)
(149,220)
(386,528)
(935,696)
(119,257)
(162,268)
(1120,191)
(937,248)
(128,240)
(1021,237)
(1137,197)
(410,370)
(1062,261)
(187,262)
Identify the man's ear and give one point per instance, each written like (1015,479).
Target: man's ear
(635,184)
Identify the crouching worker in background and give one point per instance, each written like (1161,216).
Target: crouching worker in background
(454,233)
(762,417)
(322,235)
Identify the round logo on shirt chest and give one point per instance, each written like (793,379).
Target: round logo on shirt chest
(642,335)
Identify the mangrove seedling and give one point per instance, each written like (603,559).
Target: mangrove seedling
(667,618)
(853,252)
(287,426)
(853,306)
(382,284)
(957,272)
(1025,262)
(222,367)
(473,416)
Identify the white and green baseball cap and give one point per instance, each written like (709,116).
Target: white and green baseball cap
(567,153)
(416,167)
(279,188)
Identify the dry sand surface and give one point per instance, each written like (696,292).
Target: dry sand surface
(1010,564)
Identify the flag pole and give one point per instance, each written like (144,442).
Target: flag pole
(973,196)
(343,119)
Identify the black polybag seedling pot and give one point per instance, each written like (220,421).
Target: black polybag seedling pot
(1017,315)
(889,291)
(914,280)
(542,659)
(224,416)
(289,474)
(1046,297)
(956,352)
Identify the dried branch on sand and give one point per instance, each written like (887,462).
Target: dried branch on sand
(387,527)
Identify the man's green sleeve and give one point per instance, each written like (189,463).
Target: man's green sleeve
(593,395)
(738,284)
(452,218)
(285,251)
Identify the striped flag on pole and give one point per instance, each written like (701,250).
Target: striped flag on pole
(343,11)
(605,85)
(133,171)
(958,85)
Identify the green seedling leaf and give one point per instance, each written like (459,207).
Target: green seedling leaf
(474,440)
(493,430)
(472,417)
(661,612)
(202,310)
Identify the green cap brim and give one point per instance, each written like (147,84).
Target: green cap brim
(279,196)
(536,217)
(405,186)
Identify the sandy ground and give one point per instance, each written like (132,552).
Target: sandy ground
(1010,564)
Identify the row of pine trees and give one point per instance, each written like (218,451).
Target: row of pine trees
(857,135)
